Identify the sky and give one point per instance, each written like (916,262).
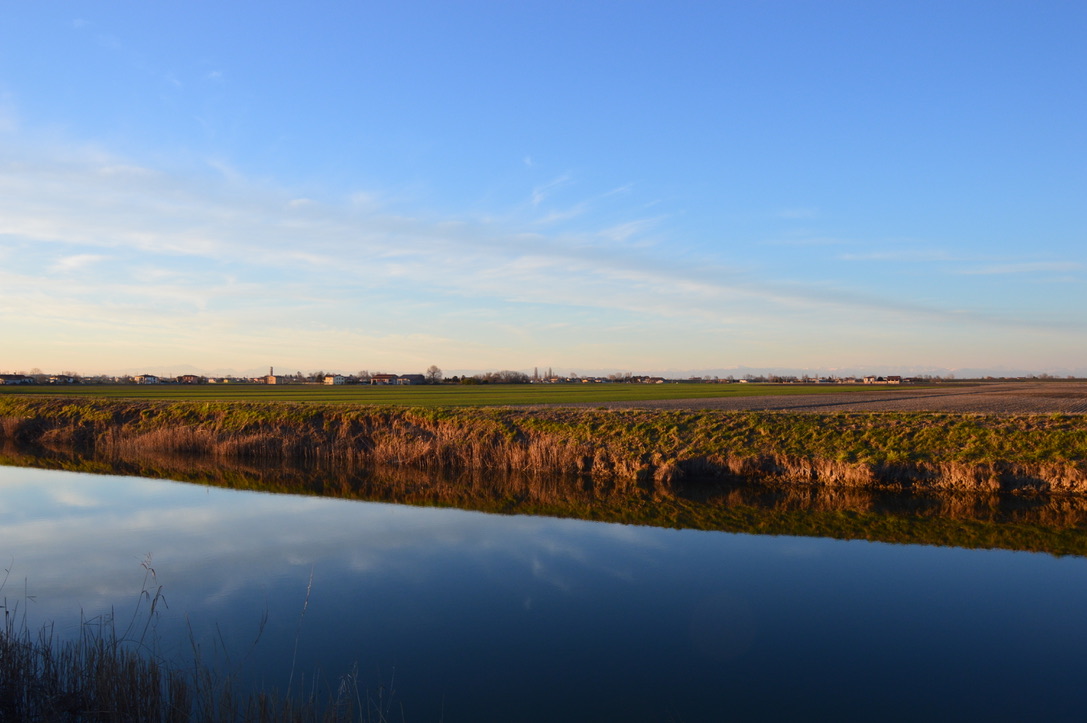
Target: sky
(592,187)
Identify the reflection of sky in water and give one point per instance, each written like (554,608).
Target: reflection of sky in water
(483,616)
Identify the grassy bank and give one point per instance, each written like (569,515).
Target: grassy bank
(625,449)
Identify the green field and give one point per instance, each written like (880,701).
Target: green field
(435,396)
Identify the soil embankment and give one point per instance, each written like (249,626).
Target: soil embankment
(651,451)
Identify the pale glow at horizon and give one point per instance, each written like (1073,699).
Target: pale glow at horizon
(685,187)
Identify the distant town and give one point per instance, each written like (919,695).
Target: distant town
(434,375)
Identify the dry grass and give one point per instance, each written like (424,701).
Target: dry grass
(645,448)
(112,676)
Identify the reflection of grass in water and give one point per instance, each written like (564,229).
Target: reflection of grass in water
(1055,524)
(111,675)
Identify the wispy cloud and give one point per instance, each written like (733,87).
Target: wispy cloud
(262,267)
(564,214)
(543,192)
(576,210)
(254,228)
(76,262)
(630,229)
(126,170)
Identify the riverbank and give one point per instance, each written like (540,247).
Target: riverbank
(648,450)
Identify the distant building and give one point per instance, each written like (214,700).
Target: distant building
(147,379)
(383,379)
(16,379)
(191,379)
(411,379)
(334,379)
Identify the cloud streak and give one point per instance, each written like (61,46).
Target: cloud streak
(102,243)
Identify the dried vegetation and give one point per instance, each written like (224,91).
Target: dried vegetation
(648,449)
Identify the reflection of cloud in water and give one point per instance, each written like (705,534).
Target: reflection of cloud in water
(83,547)
(542,572)
(75,498)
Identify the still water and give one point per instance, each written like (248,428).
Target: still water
(464,616)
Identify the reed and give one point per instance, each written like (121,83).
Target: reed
(637,448)
(106,676)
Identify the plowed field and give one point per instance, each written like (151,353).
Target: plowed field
(982,398)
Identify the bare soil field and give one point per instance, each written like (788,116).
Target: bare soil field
(980,398)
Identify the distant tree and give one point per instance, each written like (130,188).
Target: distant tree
(433,374)
(364,376)
(505,377)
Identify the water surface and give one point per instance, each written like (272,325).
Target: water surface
(464,616)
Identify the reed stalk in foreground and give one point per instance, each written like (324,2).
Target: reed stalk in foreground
(107,677)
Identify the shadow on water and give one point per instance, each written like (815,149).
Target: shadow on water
(1055,524)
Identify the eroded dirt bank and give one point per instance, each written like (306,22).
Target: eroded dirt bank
(647,450)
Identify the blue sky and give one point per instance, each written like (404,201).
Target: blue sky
(593,187)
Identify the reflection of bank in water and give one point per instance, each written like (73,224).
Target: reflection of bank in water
(1041,523)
